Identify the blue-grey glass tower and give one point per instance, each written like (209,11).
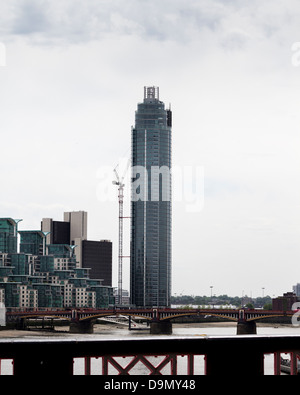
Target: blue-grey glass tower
(150,268)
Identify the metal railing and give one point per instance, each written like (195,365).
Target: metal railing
(230,356)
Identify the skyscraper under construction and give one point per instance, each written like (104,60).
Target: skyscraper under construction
(150,268)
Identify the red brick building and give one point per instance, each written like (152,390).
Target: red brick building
(285,302)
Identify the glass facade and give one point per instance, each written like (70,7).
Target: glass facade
(20,264)
(8,235)
(44,275)
(32,242)
(151,203)
(97,255)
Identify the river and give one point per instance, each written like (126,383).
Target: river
(109,331)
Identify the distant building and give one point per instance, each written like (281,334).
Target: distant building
(2,310)
(8,235)
(59,231)
(97,255)
(33,242)
(2,297)
(78,231)
(125,296)
(78,225)
(44,274)
(296,289)
(285,302)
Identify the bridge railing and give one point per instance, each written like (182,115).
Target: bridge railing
(229,356)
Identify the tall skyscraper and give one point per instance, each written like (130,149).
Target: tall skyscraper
(150,268)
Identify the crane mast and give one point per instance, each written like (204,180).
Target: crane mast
(120,185)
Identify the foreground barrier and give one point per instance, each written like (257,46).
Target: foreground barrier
(215,356)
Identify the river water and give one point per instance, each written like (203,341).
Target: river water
(103,331)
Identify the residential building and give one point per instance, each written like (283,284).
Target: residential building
(150,264)
(96,255)
(28,297)
(85,297)
(44,275)
(33,242)
(2,297)
(8,235)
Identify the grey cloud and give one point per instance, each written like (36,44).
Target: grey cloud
(72,20)
(30,18)
(235,40)
(209,24)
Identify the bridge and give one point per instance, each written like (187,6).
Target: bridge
(160,319)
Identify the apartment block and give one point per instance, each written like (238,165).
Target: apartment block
(46,275)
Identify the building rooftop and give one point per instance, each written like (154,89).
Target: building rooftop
(151,93)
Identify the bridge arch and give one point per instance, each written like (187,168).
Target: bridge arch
(261,317)
(230,316)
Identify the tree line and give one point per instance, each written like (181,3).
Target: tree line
(223,300)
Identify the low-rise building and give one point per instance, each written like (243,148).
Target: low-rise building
(284,302)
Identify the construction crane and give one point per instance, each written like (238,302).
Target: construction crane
(121,186)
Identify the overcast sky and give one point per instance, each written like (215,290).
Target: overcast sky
(74,73)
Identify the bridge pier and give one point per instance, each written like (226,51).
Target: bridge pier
(160,328)
(21,324)
(81,327)
(246,328)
